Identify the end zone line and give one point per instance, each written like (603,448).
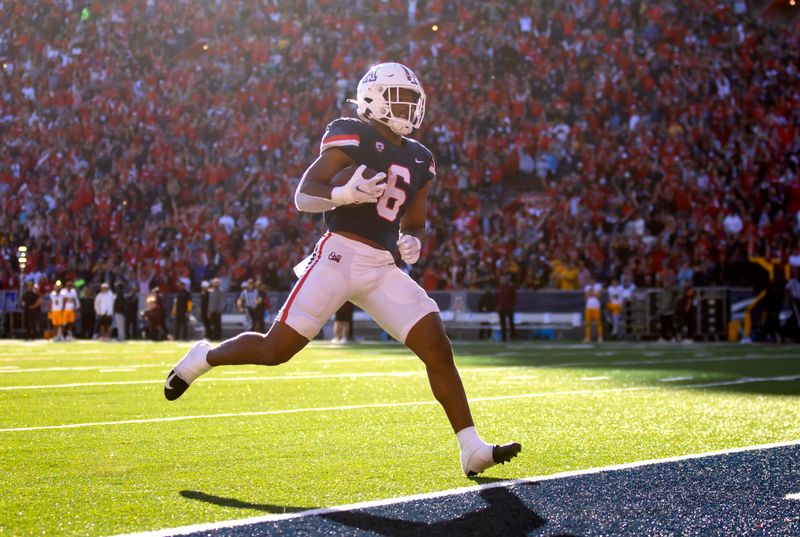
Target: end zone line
(745,380)
(210,526)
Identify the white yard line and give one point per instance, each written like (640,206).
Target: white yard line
(127,367)
(82,385)
(674,379)
(211,526)
(576,364)
(288,376)
(109,357)
(746,380)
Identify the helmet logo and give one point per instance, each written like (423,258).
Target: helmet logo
(409,75)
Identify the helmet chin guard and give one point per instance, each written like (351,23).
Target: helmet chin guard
(380,88)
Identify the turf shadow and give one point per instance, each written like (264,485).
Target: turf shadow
(239,504)
(752,361)
(480,480)
(505,514)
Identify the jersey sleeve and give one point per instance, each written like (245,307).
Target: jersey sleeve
(432,170)
(342,134)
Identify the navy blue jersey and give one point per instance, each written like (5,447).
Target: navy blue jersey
(408,167)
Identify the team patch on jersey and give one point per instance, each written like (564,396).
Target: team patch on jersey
(379,147)
(432,168)
(340,140)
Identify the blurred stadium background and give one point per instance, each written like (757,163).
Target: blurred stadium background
(145,142)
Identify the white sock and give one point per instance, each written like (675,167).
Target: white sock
(467,437)
(194,363)
(476,455)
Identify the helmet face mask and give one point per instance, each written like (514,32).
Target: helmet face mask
(391,94)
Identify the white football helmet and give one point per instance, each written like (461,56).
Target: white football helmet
(380,88)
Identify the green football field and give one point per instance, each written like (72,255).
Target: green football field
(89,445)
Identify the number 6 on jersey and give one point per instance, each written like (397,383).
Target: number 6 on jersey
(393,198)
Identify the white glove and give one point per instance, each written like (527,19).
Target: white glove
(409,247)
(359,189)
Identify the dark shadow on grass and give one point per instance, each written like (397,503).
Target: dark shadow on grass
(725,362)
(505,514)
(479,480)
(239,504)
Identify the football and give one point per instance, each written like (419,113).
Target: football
(344,175)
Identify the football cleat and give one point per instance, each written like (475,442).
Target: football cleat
(174,386)
(187,370)
(500,455)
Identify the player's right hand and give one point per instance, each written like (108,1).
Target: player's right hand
(359,189)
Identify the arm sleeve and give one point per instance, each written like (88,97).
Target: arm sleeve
(311,204)
(432,170)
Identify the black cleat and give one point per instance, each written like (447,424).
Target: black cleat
(501,455)
(175,386)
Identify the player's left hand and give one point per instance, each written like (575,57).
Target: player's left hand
(409,247)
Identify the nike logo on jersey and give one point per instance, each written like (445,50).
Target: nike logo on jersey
(418,161)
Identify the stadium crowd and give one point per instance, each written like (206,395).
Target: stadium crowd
(149,141)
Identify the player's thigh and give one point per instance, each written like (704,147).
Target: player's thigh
(315,298)
(397,304)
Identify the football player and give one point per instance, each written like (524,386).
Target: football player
(368,220)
